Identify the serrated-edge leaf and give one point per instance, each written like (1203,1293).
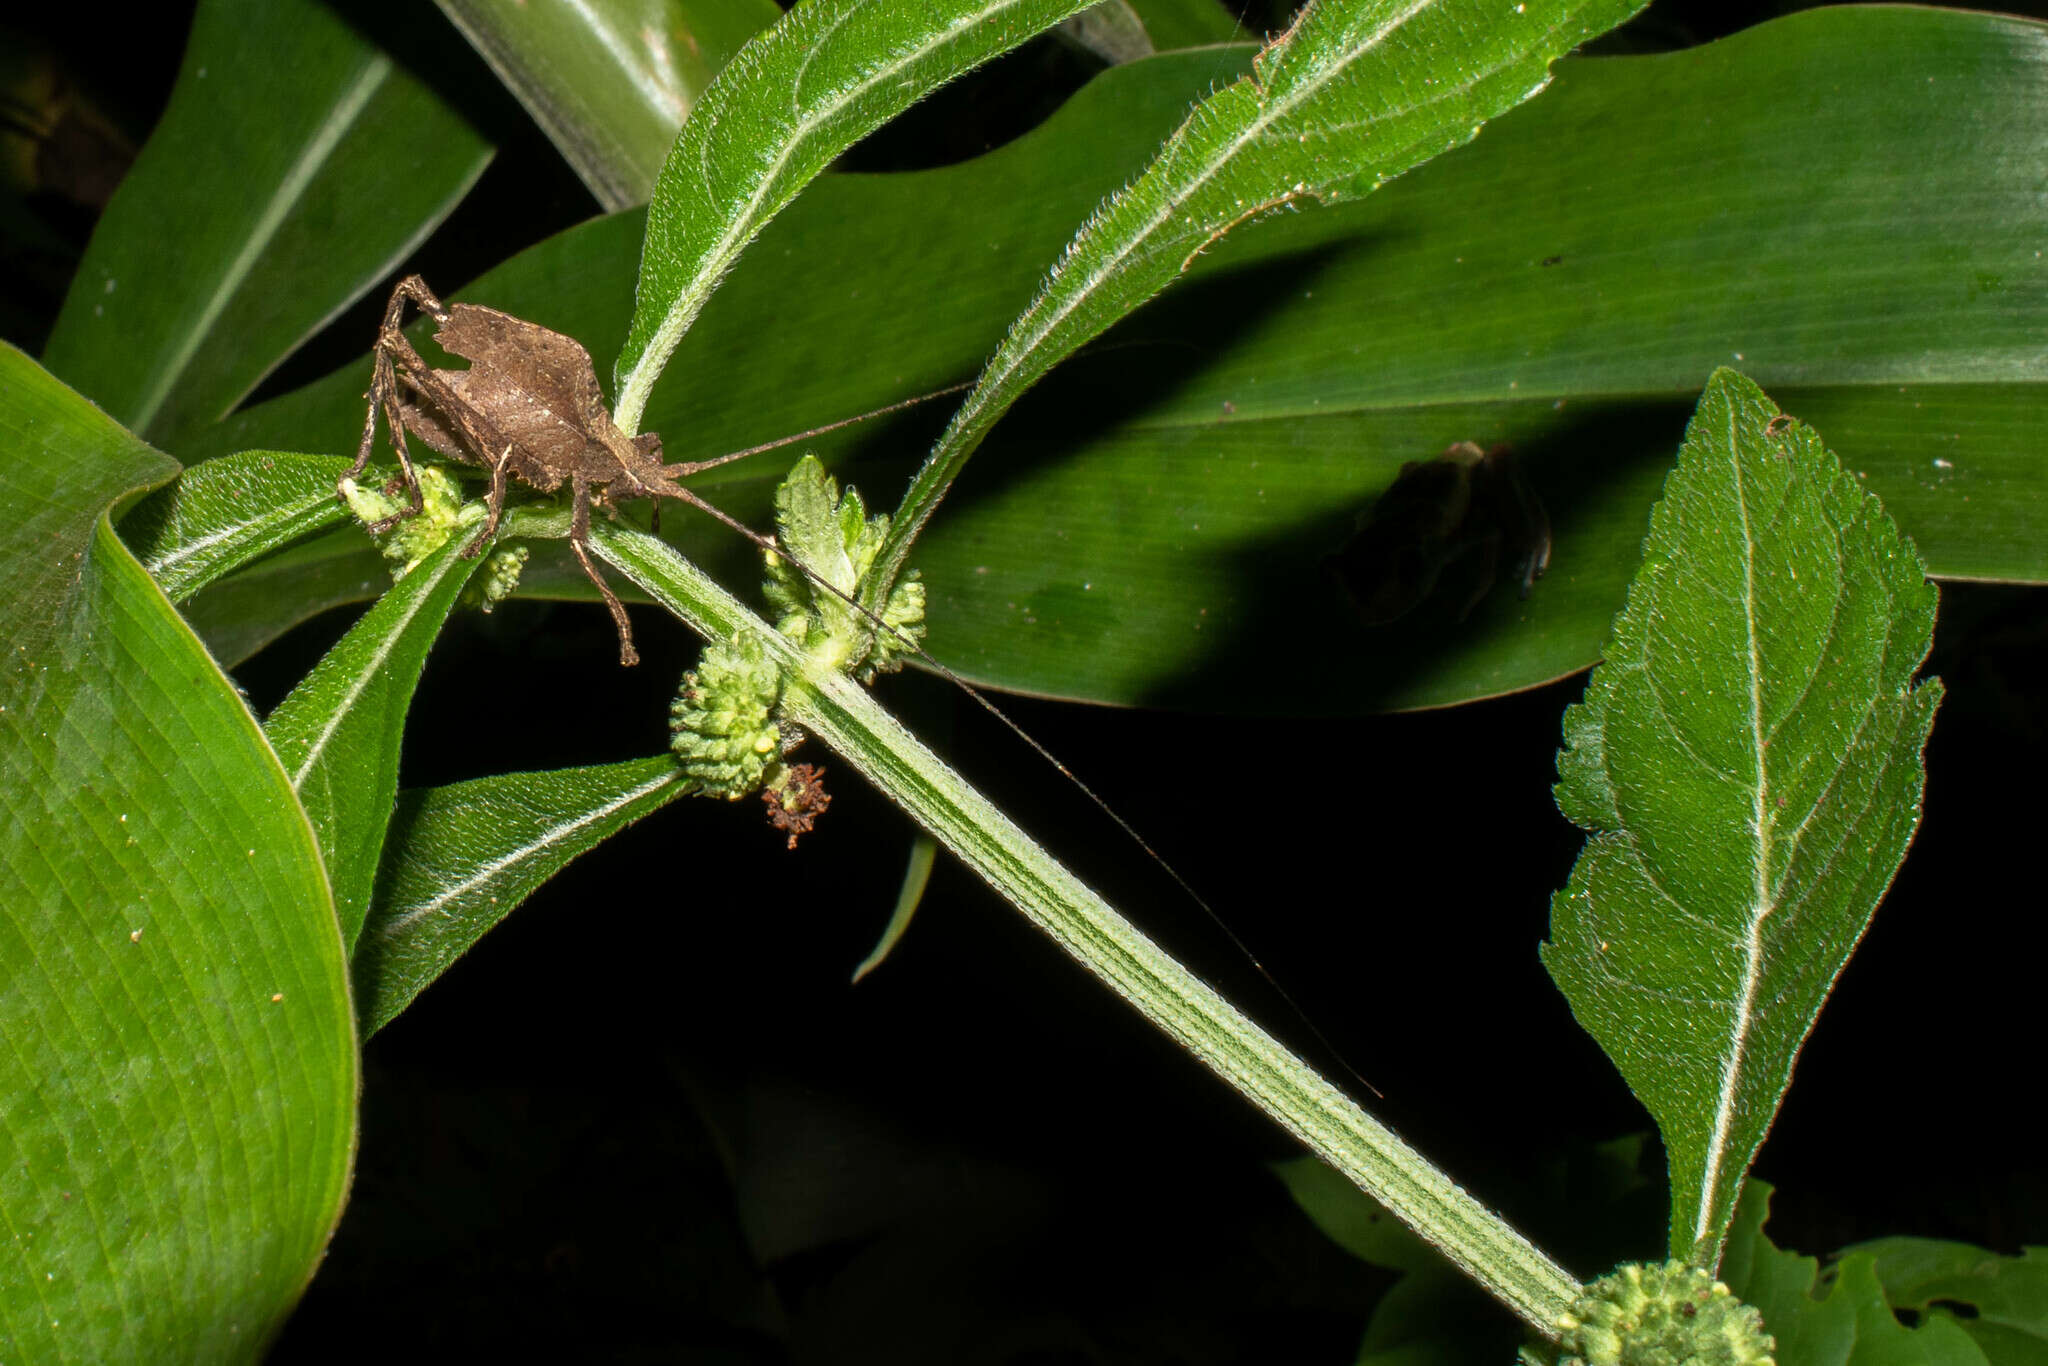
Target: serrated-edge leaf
(338,731)
(1840,1317)
(223,513)
(460,859)
(1747,761)
(1355,93)
(828,74)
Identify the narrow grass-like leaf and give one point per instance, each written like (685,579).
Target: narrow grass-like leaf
(338,731)
(1747,760)
(224,513)
(610,81)
(460,858)
(1354,94)
(917,873)
(177,1057)
(827,75)
(295,166)
(843,715)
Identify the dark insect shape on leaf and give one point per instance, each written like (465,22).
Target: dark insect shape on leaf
(527,408)
(1466,502)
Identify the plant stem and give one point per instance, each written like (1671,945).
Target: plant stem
(843,715)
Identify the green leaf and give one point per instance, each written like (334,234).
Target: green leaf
(295,166)
(180,1064)
(224,513)
(1355,93)
(610,82)
(460,858)
(337,734)
(1174,24)
(917,873)
(2000,1302)
(828,74)
(1747,760)
(1838,1318)
(1202,461)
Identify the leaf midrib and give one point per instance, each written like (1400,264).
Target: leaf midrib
(1763,899)
(662,343)
(291,187)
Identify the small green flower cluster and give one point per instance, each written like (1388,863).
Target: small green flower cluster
(1669,1315)
(442,513)
(834,537)
(723,724)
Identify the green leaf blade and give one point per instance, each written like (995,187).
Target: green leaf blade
(1747,761)
(462,857)
(226,512)
(179,1062)
(611,82)
(1356,93)
(338,732)
(825,76)
(296,165)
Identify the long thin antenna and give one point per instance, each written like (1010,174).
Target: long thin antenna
(770,544)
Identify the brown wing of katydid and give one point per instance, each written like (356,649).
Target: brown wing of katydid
(536,386)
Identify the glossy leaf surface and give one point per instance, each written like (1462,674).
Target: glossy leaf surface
(338,732)
(1355,93)
(295,167)
(179,1066)
(1747,760)
(610,81)
(828,74)
(1219,444)
(462,857)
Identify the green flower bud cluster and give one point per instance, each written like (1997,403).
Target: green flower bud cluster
(497,580)
(1669,1315)
(835,538)
(722,724)
(441,514)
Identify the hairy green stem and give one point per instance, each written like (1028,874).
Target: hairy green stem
(842,714)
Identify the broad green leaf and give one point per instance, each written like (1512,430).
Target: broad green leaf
(1174,24)
(610,81)
(460,858)
(2001,1303)
(1202,461)
(224,513)
(1355,93)
(338,732)
(179,1063)
(295,167)
(828,74)
(1840,1317)
(1747,760)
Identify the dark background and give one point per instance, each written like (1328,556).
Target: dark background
(648,1118)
